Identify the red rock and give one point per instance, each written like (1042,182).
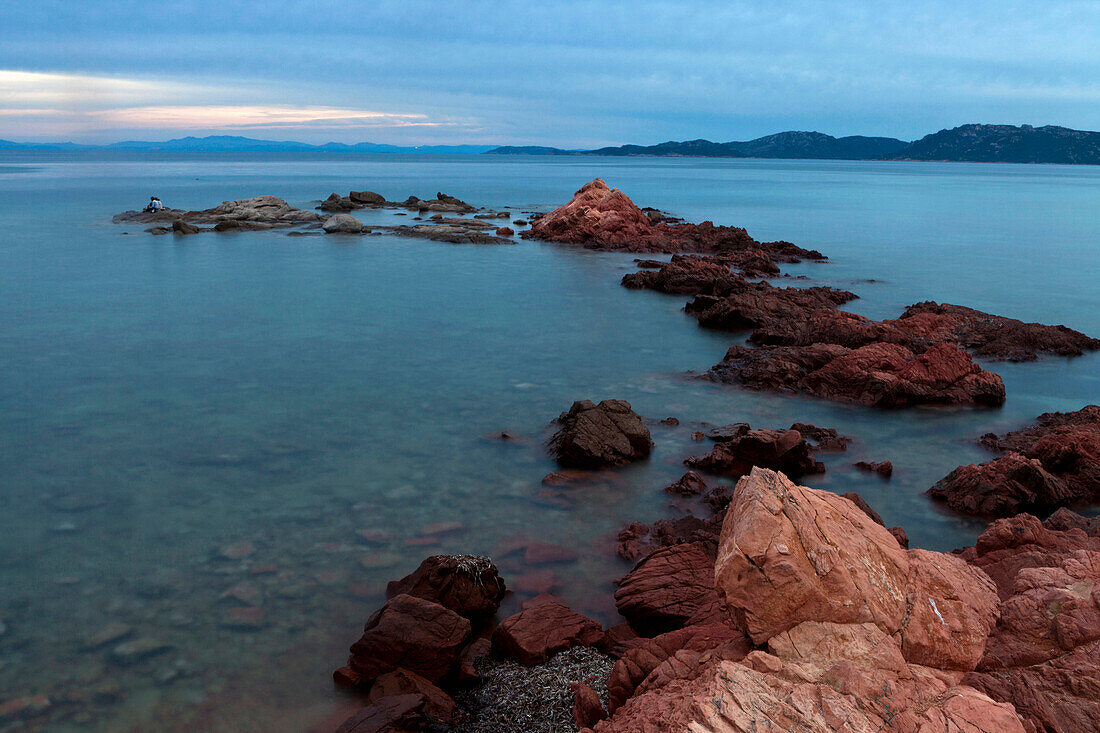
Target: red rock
(22,708)
(825,439)
(545,553)
(238,550)
(538,581)
(246,593)
(879,374)
(441,528)
(899,535)
(638,662)
(599,436)
(738,305)
(413,633)
(373,536)
(1055,462)
(951,608)
(244,618)
(568,477)
(505,232)
(535,634)
(587,708)
(685,274)
(346,677)
(265,569)
(690,484)
(469,585)
(437,704)
(603,218)
(992,336)
(467,662)
(882,468)
(864,507)
(669,588)
(401,714)
(637,540)
(423,541)
(789,554)
(1044,654)
(540,599)
(776,449)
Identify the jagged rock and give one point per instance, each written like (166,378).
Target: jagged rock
(600,436)
(537,633)
(776,449)
(469,585)
(670,588)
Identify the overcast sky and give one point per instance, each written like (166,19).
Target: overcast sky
(556,73)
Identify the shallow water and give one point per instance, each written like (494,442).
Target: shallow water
(161,399)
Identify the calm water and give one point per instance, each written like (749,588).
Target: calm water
(161,399)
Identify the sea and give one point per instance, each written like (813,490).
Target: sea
(192,426)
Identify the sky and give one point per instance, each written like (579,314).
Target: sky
(569,74)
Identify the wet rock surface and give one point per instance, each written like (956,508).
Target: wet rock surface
(782,450)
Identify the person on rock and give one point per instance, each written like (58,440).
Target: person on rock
(154,205)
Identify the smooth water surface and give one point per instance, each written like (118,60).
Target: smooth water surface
(184,417)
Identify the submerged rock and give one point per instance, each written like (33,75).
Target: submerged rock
(600,436)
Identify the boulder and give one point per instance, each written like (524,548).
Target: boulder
(367,198)
(670,588)
(789,554)
(537,633)
(342,224)
(738,305)
(505,232)
(1003,487)
(469,585)
(411,633)
(179,226)
(690,484)
(587,708)
(600,436)
(398,714)
(882,468)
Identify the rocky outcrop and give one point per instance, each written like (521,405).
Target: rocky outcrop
(781,450)
(882,468)
(990,336)
(1053,463)
(600,436)
(880,375)
(261,212)
(599,217)
(637,539)
(760,305)
(1044,654)
(469,585)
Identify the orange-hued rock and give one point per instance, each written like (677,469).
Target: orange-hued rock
(437,703)
(604,218)
(952,607)
(789,554)
(538,632)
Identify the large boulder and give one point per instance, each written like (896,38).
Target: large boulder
(789,554)
(670,588)
(410,633)
(540,631)
(469,585)
(367,198)
(600,436)
(1002,487)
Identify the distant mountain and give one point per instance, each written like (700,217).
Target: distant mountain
(972,143)
(234,143)
(1007,144)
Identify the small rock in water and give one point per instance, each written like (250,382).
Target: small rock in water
(64,528)
(132,652)
(423,541)
(440,528)
(24,707)
(112,632)
(267,569)
(379,560)
(373,536)
(244,618)
(238,550)
(106,692)
(245,593)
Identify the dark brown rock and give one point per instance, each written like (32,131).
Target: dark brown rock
(780,450)
(882,468)
(690,484)
(600,436)
(469,585)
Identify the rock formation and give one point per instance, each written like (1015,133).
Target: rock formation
(600,436)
